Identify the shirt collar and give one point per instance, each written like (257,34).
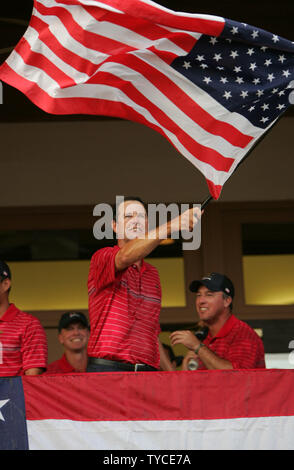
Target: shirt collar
(141,269)
(10,313)
(65,365)
(226,328)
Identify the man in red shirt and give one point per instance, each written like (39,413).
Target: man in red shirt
(230,343)
(73,334)
(23,342)
(125,294)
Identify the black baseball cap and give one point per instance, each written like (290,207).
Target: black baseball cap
(72,317)
(4,271)
(215,282)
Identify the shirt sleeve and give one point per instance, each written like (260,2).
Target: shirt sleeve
(34,348)
(102,269)
(247,353)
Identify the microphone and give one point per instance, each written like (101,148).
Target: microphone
(201,335)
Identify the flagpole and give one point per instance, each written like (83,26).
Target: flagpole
(204,203)
(209,198)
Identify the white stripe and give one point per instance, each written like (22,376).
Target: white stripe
(113,31)
(32,36)
(175,30)
(94,3)
(58,30)
(34,74)
(265,433)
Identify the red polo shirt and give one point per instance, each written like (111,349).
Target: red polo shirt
(238,343)
(23,343)
(61,366)
(124,310)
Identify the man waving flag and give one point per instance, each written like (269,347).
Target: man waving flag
(211,86)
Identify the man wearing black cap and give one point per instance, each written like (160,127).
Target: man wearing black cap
(230,343)
(73,334)
(23,342)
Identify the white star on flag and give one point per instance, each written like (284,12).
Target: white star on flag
(2,403)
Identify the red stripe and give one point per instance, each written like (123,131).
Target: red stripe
(38,60)
(166,56)
(79,63)
(185,41)
(143,28)
(153,13)
(160,395)
(214,189)
(88,39)
(185,103)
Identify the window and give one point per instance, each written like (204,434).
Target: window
(50,268)
(268,263)
(258,254)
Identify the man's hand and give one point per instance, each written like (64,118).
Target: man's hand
(139,248)
(186,220)
(34,371)
(185,337)
(210,359)
(190,355)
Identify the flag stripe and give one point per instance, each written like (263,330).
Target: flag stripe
(262,433)
(144,28)
(68,43)
(31,58)
(89,39)
(42,48)
(125,396)
(70,54)
(109,36)
(205,24)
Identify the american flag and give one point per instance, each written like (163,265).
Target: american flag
(116,412)
(211,86)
